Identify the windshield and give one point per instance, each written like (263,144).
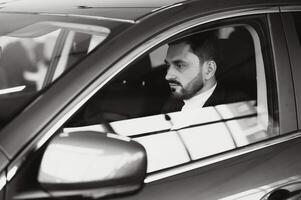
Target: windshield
(34,56)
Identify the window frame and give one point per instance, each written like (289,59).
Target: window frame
(263,37)
(270,80)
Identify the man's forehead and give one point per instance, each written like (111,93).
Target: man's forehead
(178,51)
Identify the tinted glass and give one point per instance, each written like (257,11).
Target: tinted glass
(32,57)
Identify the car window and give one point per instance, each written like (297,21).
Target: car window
(175,110)
(32,57)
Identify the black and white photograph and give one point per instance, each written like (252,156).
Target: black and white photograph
(150,99)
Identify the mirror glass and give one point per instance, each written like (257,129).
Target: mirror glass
(83,157)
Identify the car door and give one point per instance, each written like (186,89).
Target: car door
(253,170)
(262,168)
(215,155)
(243,167)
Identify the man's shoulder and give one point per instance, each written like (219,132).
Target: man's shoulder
(226,94)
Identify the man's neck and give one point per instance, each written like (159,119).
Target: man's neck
(207,86)
(199,99)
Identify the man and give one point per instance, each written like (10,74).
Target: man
(192,65)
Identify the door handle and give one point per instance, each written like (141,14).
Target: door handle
(291,191)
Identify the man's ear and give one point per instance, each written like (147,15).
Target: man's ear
(210,69)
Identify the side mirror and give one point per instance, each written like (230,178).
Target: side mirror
(92,164)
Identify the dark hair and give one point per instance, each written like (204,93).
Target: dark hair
(204,45)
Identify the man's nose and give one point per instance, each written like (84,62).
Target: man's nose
(170,73)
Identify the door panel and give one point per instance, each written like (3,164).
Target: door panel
(249,176)
(2,195)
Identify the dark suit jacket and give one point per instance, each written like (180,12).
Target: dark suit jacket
(221,95)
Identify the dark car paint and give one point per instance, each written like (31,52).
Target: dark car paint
(286,102)
(230,177)
(294,51)
(54,104)
(2,195)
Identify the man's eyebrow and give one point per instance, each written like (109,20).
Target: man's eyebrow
(175,61)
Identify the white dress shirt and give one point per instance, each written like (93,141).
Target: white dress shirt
(199,100)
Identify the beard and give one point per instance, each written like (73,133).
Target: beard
(186,92)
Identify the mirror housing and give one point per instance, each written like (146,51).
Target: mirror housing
(92,164)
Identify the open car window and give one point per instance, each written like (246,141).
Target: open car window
(137,102)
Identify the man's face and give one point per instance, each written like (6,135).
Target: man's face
(184,74)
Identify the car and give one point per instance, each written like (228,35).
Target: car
(85,110)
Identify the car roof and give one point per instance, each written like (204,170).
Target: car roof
(116,9)
(125,10)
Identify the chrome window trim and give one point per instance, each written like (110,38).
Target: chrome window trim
(53,127)
(290,8)
(166,7)
(74,15)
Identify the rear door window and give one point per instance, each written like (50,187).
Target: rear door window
(34,56)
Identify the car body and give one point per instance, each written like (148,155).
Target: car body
(32,121)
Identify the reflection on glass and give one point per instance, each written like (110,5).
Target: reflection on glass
(203,141)
(202,132)
(11,173)
(176,138)
(249,126)
(163,150)
(26,59)
(35,55)
(12,90)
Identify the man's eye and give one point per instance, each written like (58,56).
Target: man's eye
(181,65)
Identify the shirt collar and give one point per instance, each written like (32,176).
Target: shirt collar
(199,100)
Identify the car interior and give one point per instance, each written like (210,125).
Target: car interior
(141,89)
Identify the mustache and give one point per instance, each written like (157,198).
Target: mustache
(172,81)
